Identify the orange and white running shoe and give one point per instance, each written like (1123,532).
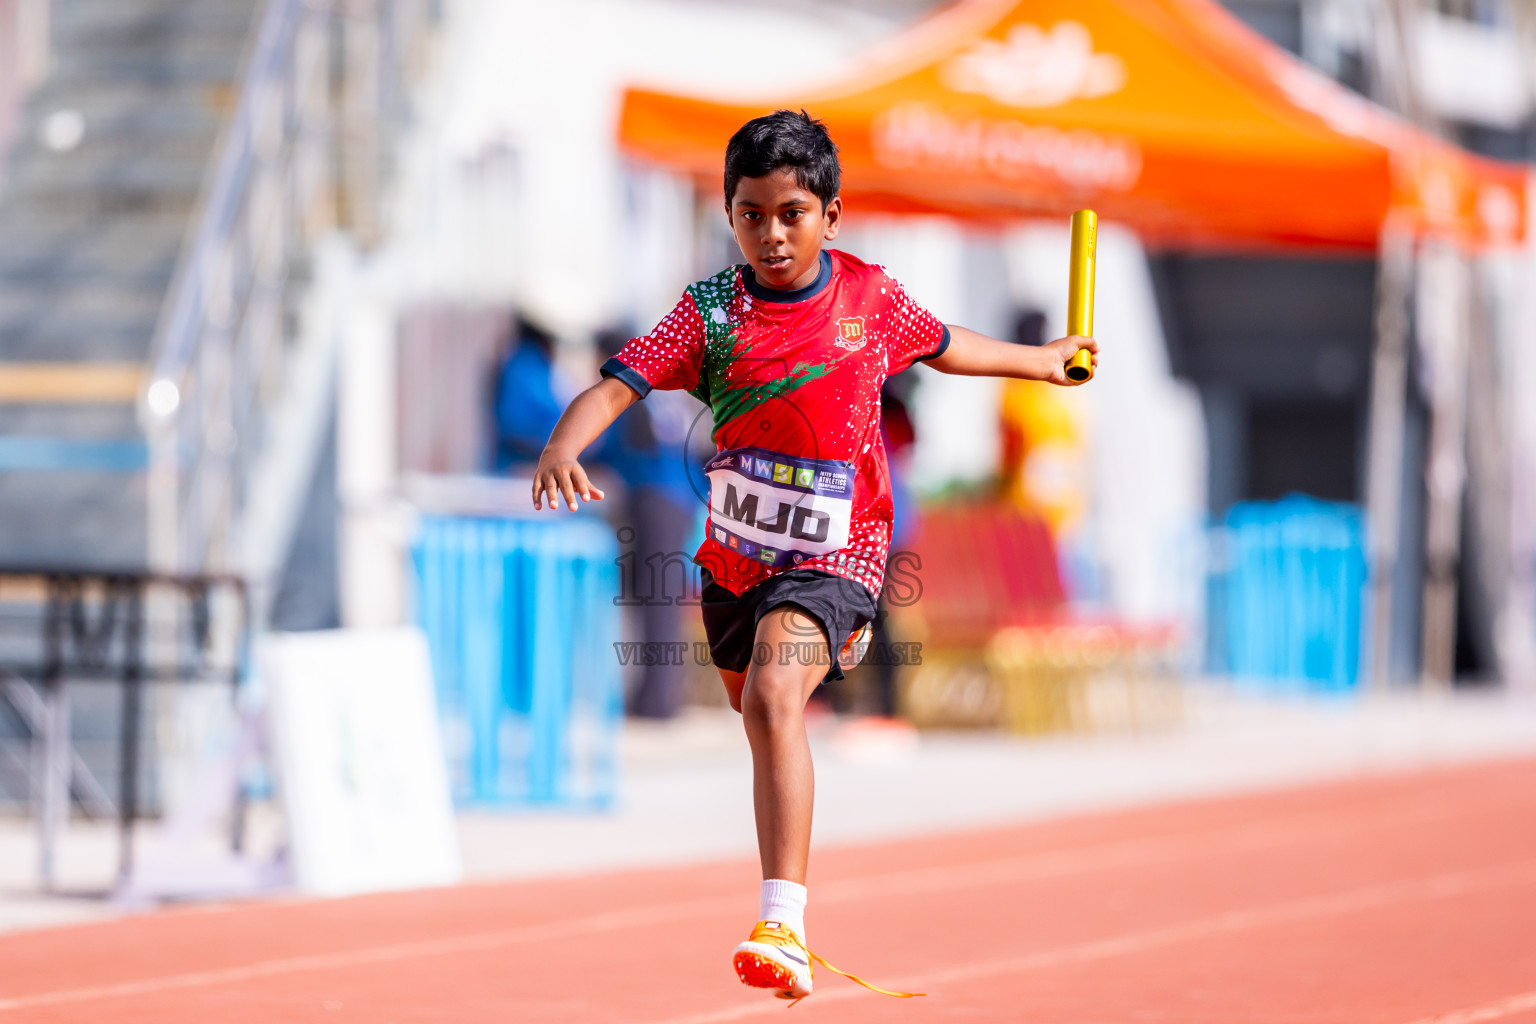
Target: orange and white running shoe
(776,958)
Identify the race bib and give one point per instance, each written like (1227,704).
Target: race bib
(779,509)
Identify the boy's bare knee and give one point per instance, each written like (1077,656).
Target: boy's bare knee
(773,697)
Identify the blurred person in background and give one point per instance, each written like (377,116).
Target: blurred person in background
(530,394)
(899,435)
(1028,329)
(1042,462)
(646,450)
(899,432)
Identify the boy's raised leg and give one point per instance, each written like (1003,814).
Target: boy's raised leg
(773,709)
(772,703)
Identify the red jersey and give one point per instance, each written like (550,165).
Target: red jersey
(793,380)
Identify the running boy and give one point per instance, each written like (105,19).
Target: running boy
(789,352)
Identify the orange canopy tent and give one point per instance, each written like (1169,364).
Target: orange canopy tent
(1169,115)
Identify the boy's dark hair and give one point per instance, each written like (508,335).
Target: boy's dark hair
(784,138)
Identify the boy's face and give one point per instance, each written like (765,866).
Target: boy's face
(780,227)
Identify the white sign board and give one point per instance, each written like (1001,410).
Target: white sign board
(360,762)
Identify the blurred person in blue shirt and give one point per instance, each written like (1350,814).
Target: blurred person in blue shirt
(530,396)
(646,449)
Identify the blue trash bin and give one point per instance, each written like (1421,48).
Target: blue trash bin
(1287,594)
(521,620)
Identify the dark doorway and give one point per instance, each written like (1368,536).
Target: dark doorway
(1306,446)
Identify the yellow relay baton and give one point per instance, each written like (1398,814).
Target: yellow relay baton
(1085,234)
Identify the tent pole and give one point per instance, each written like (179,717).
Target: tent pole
(1489,536)
(1516,636)
(1398,278)
(1443,305)
(1384,482)
(1397,80)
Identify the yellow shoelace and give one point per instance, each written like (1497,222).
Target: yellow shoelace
(778,937)
(858,980)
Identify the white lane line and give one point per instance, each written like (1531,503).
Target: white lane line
(1492,1011)
(1410,890)
(1050,864)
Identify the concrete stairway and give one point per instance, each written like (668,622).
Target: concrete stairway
(91,223)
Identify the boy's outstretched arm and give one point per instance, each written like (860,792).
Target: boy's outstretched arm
(588,415)
(976,355)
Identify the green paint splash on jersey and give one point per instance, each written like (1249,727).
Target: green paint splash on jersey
(727,400)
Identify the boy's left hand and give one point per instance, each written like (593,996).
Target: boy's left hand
(976,355)
(1063,349)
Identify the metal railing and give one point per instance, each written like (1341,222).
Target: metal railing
(219,343)
(100,627)
(300,159)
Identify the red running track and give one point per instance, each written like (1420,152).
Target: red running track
(1403,900)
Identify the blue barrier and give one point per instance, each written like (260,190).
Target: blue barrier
(18,454)
(521,621)
(1286,596)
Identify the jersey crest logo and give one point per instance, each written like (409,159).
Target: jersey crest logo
(850,333)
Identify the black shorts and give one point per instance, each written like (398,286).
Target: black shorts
(730,622)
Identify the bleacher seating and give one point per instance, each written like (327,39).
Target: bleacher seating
(90,229)
(1002,646)
(983,566)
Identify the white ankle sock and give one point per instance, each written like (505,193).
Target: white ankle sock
(783,902)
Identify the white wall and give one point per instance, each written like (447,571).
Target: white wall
(513,188)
